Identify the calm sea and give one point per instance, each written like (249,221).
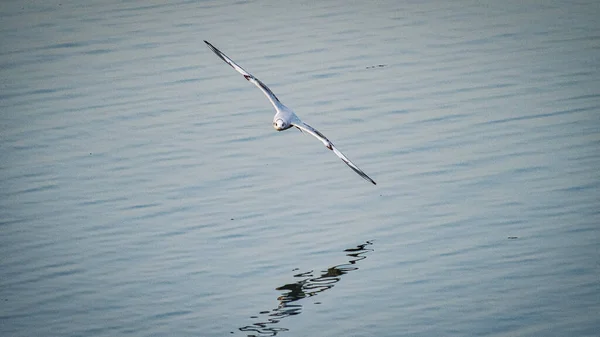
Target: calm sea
(144,192)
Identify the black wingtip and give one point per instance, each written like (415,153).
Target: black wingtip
(367,178)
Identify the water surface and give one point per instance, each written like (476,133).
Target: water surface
(144,192)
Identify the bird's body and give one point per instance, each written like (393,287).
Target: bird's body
(284,117)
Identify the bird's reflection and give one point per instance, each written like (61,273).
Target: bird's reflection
(309,285)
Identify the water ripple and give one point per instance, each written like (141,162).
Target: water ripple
(309,285)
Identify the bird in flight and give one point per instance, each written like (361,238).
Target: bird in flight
(285,118)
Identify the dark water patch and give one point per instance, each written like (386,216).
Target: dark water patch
(376,66)
(280,55)
(66,45)
(11,222)
(580,97)
(171,314)
(324,75)
(99,51)
(41,188)
(141,206)
(536,116)
(146,45)
(101,201)
(183,81)
(36,92)
(444,118)
(399,112)
(593,186)
(184,69)
(161,214)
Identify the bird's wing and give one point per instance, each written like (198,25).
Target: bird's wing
(328,144)
(270,95)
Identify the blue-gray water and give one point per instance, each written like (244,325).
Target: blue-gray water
(144,191)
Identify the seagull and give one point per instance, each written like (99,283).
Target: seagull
(285,118)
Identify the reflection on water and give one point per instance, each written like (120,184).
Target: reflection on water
(307,286)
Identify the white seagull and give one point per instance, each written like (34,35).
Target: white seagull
(285,118)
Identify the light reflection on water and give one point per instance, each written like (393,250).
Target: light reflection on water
(309,285)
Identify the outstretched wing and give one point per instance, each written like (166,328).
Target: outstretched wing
(328,144)
(270,95)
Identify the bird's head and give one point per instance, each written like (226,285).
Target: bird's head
(280,125)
